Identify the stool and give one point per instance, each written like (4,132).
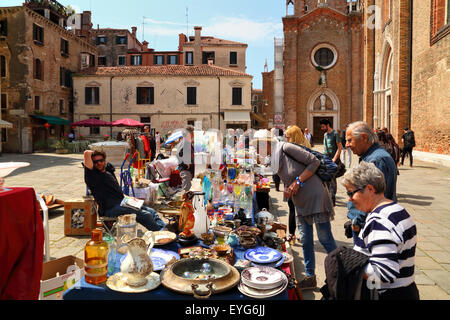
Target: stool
(109,224)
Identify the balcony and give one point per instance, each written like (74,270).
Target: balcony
(50,9)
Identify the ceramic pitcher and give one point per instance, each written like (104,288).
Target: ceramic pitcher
(137,264)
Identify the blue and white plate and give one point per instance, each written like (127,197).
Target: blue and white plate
(263,255)
(275,264)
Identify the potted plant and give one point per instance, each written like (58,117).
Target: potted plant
(61,146)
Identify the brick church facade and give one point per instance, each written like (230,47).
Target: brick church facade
(406,73)
(323,63)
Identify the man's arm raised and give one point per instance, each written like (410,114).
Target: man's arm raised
(88,159)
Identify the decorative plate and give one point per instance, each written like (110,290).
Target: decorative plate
(261,294)
(262,277)
(161,257)
(275,264)
(263,255)
(118,282)
(164,237)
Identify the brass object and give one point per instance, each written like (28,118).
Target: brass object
(186,276)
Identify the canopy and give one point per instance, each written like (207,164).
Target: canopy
(91,123)
(52,120)
(236,116)
(127,123)
(5,124)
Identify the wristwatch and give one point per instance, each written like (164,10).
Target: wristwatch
(300,182)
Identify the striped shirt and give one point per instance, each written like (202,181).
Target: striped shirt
(389,238)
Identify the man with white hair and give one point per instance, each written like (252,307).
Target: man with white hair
(363,141)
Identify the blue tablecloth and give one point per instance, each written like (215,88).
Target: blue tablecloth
(85,291)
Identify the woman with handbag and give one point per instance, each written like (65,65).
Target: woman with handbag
(311,199)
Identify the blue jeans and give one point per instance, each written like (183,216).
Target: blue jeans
(307,240)
(148,217)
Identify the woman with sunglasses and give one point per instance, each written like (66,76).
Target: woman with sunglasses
(389,236)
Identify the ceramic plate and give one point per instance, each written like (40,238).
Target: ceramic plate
(275,264)
(163,237)
(261,294)
(263,255)
(118,282)
(262,277)
(161,257)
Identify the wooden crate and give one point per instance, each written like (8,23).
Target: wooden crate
(88,208)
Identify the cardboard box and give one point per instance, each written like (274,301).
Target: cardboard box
(59,275)
(85,211)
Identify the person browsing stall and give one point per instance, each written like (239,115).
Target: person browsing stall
(389,236)
(185,156)
(363,141)
(100,178)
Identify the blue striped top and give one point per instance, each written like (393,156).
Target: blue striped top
(389,237)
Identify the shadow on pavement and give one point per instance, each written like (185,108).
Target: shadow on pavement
(38,161)
(414,199)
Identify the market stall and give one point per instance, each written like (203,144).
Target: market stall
(221,241)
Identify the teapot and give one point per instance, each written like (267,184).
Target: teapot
(232,240)
(137,265)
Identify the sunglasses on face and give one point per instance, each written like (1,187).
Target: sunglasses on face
(352,193)
(98,161)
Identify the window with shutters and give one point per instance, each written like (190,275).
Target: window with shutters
(38,34)
(172,59)
(68,81)
(3,66)
(191,96)
(101,40)
(64,48)
(189,58)
(37,103)
(101,61)
(4,102)
(62,76)
(38,69)
(158,59)
(145,120)
(237,97)
(4,28)
(136,60)
(92,95)
(233,58)
(145,95)
(122,60)
(206,56)
(121,40)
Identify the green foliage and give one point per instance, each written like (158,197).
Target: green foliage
(61,144)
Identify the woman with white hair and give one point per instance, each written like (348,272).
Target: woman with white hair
(389,236)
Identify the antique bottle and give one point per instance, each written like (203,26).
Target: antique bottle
(96,258)
(112,253)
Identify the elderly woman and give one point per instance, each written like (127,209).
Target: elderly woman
(389,235)
(295,135)
(313,205)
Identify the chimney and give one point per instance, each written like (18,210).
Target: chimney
(198,46)
(134,29)
(145,45)
(182,39)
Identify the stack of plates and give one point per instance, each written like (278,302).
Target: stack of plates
(264,256)
(262,282)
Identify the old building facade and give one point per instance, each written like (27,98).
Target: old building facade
(323,65)
(38,56)
(201,50)
(165,97)
(406,76)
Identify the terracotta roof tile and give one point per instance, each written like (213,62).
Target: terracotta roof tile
(168,70)
(214,41)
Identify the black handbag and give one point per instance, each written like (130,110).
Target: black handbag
(348,229)
(341,169)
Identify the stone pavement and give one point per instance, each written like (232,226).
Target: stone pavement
(423,190)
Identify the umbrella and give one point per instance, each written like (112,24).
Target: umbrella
(90,123)
(174,137)
(127,123)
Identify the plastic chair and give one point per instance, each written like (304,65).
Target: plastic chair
(46,228)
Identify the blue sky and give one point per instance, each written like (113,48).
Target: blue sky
(255,22)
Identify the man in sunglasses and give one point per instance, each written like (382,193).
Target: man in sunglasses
(101,180)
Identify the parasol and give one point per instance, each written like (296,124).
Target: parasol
(174,137)
(127,123)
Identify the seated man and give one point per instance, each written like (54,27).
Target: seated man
(101,180)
